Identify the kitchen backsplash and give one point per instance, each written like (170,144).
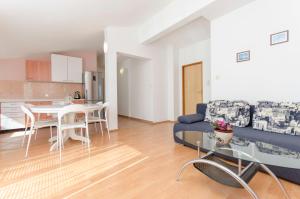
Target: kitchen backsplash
(37,90)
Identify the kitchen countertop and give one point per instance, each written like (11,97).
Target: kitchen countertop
(32,100)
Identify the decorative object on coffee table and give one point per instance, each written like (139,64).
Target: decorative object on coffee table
(223,132)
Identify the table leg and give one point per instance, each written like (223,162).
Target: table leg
(240,166)
(68,134)
(198,148)
(276,179)
(226,170)
(265,168)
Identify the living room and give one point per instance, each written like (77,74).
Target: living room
(199,99)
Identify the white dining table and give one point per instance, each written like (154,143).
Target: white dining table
(70,118)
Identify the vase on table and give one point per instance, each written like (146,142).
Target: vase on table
(223,137)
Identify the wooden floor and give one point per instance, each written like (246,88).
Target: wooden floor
(140,161)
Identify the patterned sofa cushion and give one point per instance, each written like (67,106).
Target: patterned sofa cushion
(237,113)
(277,117)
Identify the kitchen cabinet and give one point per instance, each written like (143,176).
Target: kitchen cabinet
(66,68)
(59,68)
(12,117)
(38,70)
(75,69)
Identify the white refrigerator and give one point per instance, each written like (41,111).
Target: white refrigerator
(93,86)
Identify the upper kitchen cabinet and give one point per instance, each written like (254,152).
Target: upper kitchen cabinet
(38,70)
(75,69)
(66,69)
(59,68)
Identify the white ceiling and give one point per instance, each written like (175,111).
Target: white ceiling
(30,27)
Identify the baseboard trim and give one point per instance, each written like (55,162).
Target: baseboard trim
(137,119)
(162,122)
(146,121)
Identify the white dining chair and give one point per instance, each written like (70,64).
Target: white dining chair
(95,115)
(75,124)
(53,120)
(105,108)
(95,119)
(34,125)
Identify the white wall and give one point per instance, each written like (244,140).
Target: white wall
(173,16)
(196,52)
(123,88)
(166,56)
(141,103)
(187,45)
(125,41)
(134,84)
(273,71)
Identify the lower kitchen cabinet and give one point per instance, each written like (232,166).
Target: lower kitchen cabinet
(12,117)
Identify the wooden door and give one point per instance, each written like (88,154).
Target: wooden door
(192,87)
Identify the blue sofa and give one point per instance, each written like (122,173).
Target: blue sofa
(286,141)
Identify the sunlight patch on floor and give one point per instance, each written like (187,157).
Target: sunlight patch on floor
(55,181)
(19,134)
(45,161)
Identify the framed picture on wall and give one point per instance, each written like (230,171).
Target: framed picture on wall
(243,56)
(279,38)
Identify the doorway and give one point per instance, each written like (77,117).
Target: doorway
(192,87)
(133,80)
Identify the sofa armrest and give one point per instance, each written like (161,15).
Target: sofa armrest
(189,119)
(201,108)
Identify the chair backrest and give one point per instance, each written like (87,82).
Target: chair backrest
(106,109)
(26,109)
(74,108)
(100,103)
(99,109)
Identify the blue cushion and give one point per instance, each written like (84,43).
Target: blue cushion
(189,119)
(281,140)
(201,108)
(198,126)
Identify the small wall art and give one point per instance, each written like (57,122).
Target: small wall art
(243,56)
(279,38)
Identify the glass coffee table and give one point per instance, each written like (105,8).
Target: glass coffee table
(250,155)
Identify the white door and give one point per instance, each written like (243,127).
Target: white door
(75,69)
(59,68)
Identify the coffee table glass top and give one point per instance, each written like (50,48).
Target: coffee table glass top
(244,149)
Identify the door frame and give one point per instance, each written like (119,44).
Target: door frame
(183,90)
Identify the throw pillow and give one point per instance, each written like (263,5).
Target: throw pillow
(277,117)
(237,113)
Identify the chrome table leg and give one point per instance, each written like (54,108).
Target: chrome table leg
(226,170)
(276,179)
(198,148)
(265,168)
